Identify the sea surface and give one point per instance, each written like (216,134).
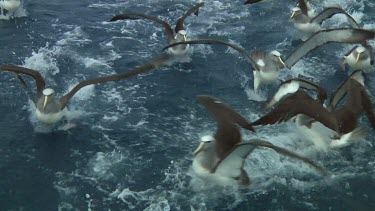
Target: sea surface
(131,142)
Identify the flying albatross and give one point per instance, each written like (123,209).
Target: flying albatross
(49,109)
(180,31)
(298,105)
(309,26)
(220,158)
(267,65)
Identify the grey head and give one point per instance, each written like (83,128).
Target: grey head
(298,16)
(206,152)
(48,103)
(275,57)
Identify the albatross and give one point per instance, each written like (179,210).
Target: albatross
(49,108)
(9,5)
(291,103)
(181,34)
(267,65)
(308,25)
(220,158)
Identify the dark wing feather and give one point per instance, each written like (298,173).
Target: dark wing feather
(39,80)
(180,21)
(167,27)
(342,90)
(351,50)
(367,105)
(142,69)
(235,47)
(227,135)
(302,5)
(328,36)
(288,153)
(298,103)
(252,1)
(222,112)
(331,11)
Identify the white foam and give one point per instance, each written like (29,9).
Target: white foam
(44,61)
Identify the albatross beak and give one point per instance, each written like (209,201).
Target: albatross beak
(200,148)
(293,14)
(358,55)
(184,36)
(282,62)
(269,104)
(45,102)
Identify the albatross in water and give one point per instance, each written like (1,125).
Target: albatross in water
(267,65)
(9,5)
(49,108)
(180,31)
(291,103)
(220,158)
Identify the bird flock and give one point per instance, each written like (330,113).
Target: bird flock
(220,158)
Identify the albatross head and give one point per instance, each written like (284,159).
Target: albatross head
(181,35)
(359,50)
(206,142)
(48,93)
(277,57)
(295,11)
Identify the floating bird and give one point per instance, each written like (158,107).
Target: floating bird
(220,159)
(359,58)
(267,66)
(300,3)
(181,34)
(309,26)
(9,5)
(50,109)
(343,121)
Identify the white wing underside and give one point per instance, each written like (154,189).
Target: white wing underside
(232,164)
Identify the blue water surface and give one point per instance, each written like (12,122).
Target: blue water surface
(131,147)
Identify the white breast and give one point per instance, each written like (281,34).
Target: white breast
(49,118)
(10,5)
(362,64)
(178,51)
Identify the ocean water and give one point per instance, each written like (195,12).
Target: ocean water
(131,147)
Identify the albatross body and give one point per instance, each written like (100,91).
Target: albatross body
(179,34)
(220,158)
(266,66)
(9,5)
(311,114)
(51,109)
(308,25)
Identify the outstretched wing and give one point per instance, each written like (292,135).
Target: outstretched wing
(302,5)
(227,134)
(167,27)
(298,103)
(293,85)
(180,21)
(39,80)
(261,143)
(331,11)
(222,112)
(231,164)
(142,69)
(252,1)
(235,47)
(367,105)
(345,35)
(342,89)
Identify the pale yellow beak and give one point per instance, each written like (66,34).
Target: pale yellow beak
(200,148)
(293,14)
(269,104)
(184,36)
(282,62)
(45,102)
(358,55)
